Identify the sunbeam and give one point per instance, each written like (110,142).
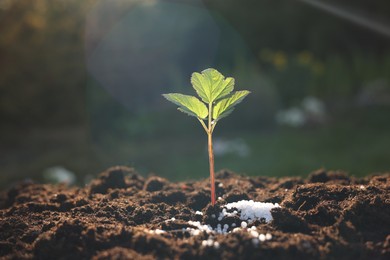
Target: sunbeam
(351,16)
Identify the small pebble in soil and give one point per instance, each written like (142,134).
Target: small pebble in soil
(236,229)
(199,226)
(259,238)
(254,233)
(157,231)
(210,243)
(244,224)
(262,237)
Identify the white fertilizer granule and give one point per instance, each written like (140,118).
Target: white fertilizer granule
(249,210)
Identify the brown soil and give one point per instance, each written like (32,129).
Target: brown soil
(326,216)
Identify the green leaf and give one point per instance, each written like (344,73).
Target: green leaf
(224,113)
(211,85)
(226,105)
(188,104)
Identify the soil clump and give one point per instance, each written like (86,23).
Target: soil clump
(122,215)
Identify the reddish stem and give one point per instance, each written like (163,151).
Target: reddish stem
(211,160)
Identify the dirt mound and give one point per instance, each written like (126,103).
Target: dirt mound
(122,215)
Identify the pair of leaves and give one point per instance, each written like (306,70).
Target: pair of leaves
(212,87)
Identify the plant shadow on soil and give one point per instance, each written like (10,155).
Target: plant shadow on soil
(329,215)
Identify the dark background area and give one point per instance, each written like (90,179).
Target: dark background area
(81,85)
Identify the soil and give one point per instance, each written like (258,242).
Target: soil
(120,214)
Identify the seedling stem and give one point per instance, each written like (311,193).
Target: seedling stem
(211,154)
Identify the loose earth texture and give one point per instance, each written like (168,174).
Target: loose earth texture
(122,215)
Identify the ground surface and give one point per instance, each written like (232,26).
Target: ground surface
(326,216)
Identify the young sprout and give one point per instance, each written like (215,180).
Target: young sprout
(219,100)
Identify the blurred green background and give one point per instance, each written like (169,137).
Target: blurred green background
(81,85)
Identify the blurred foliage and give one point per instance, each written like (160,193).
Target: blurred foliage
(332,78)
(281,50)
(293,26)
(43,74)
(183,156)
